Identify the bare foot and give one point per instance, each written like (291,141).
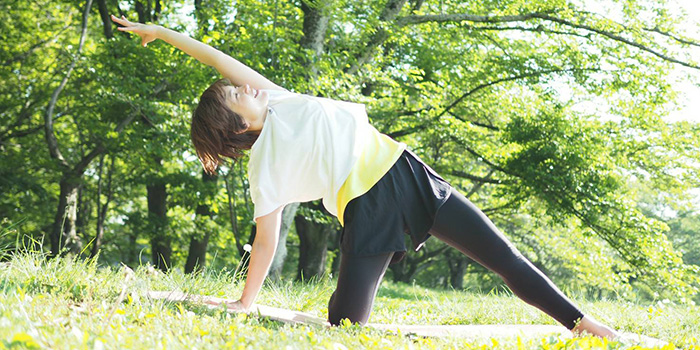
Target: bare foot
(589,325)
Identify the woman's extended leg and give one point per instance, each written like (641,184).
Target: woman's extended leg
(358,282)
(462,225)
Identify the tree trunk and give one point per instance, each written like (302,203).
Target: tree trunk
(63,229)
(288,214)
(82,215)
(197,254)
(402,271)
(313,239)
(102,208)
(156,11)
(230,181)
(106,21)
(63,233)
(130,255)
(314,28)
(99,233)
(406,269)
(458,268)
(245,257)
(334,246)
(161,249)
(143,12)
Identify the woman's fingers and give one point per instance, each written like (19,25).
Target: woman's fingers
(123,21)
(116,19)
(126,29)
(126,25)
(136,28)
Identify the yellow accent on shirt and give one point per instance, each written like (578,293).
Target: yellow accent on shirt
(378,156)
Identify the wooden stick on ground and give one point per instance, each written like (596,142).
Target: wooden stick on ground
(296,317)
(460,331)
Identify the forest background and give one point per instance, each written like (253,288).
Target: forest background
(549,115)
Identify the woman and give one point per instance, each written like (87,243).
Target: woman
(305,148)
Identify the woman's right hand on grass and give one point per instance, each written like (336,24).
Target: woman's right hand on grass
(147,32)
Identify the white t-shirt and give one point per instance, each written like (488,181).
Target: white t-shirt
(305,151)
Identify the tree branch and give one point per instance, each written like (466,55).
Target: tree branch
(485,126)
(480,179)
(479,184)
(414,112)
(23,55)
(486,161)
(48,119)
(14,131)
(391,10)
(476,89)
(672,36)
(618,38)
(85,160)
(508,205)
(429,255)
(537,29)
(475,123)
(21,133)
(462,17)
(417,4)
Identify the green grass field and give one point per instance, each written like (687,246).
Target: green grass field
(63,304)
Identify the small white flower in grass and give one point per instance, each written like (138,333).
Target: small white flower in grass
(338,346)
(247,248)
(77,333)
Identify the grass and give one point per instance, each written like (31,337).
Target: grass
(67,304)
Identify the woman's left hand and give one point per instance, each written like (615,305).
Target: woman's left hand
(236,306)
(147,32)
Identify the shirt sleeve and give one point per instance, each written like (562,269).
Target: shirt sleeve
(264,202)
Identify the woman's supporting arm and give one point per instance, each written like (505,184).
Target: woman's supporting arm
(237,72)
(264,246)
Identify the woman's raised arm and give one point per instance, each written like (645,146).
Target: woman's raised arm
(237,72)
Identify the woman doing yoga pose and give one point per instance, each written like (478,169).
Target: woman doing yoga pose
(305,148)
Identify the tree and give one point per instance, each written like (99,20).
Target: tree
(314,226)
(196,257)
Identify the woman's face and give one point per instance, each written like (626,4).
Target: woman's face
(249,103)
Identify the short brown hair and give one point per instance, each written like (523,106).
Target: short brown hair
(217,131)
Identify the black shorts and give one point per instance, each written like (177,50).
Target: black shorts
(405,200)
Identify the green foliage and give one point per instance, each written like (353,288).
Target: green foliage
(565,162)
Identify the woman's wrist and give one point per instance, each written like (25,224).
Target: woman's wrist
(159,31)
(246,301)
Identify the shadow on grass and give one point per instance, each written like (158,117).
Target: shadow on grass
(220,314)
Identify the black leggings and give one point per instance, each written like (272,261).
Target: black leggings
(462,225)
